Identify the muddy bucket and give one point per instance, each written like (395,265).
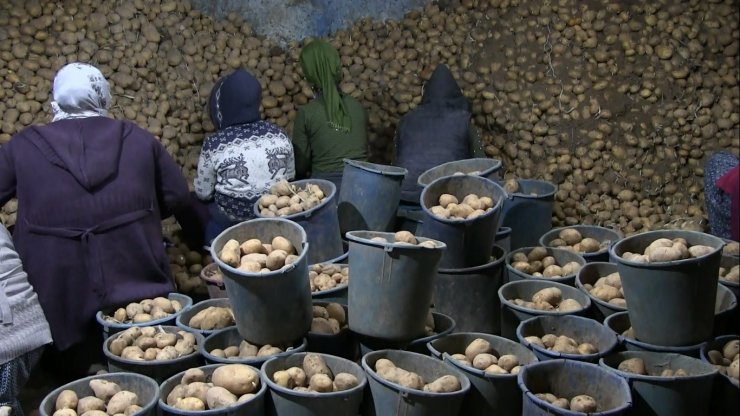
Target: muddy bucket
(512,314)
(369,196)
(605,236)
(344,344)
(661,294)
(589,274)
(619,323)
(391,286)
(214,281)
(287,402)
(666,396)
(394,399)
(567,379)
(183,320)
(576,327)
(231,337)
(320,223)
(490,394)
(528,212)
(503,238)
(481,166)
(561,256)
(725,391)
(469,242)
(275,307)
(470,295)
(110,328)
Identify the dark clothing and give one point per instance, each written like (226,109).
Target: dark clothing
(719,195)
(91,196)
(730,184)
(235,100)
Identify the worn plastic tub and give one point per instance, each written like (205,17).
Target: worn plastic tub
(568,378)
(481,166)
(589,274)
(490,394)
(391,286)
(503,238)
(214,281)
(184,318)
(666,396)
(661,294)
(275,307)
(110,328)
(287,402)
(145,388)
(469,241)
(528,212)
(561,256)
(393,399)
(512,314)
(579,328)
(605,236)
(344,344)
(230,336)
(369,196)
(726,390)
(470,295)
(443,325)
(620,322)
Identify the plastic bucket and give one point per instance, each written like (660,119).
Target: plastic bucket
(338,293)
(561,256)
(394,399)
(482,166)
(391,286)
(214,281)
(229,337)
(470,295)
(321,223)
(503,238)
(661,294)
(110,328)
(469,242)
(490,394)
(369,196)
(159,370)
(184,318)
(287,402)
(145,388)
(344,344)
(512,314)
(568,378)
(529,212)
(724,308)
(603,235)
(589,274)
(256,406)
(726,390)
(666,396)
(443,325)
(620,322)
(269,308)
(576,327)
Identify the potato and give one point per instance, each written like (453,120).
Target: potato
(190,403)
(484,360)
(568,305)
(523,267)
(478,346)
(486,202)
(633,365)
(399,376)
(472,201)
(246,397)
(461,358)
(605,293)
(151,354)
(553,271)
(193,375)
(561,403)
(88,403)
(61,412)
(320,383)
(268,199)
(345,381)
(571,268)
(298,376)
(167,353)
(565,345)
(145,342)
(511,186)
(259,258)
(177,393)
(700,250)
(461,210)
(164,339)
(117,346)
(515,370)
(663,254)
(337,312)
(734,369)
(570,236)
(218,397)
(121,400)
(268,350)
(276,259)
(589,245)
(731,349)
(322,326)
(218,318)
(283,379)
(230,254)
(495,369)
(197,389)
(133,309)
(236,378)
(551,295)
(314,364)
(535,341)
(67,399)
(508,361)
(103,389)
(583,403)
(281,188)
(587,349)
(404,237)
(447,199)
(282,243)
(548,397)
(120,315)
(549,340)
(131,410)
(444,384)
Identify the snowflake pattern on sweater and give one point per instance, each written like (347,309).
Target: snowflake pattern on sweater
(240,163)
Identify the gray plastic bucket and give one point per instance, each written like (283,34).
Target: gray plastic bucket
(159,370)
(344,344)
(485,167)
(321,223)
(725,308)
(443,325)
(561,256)
(287,402)
(666,396)
(601,234)
(503,238)
(188,314)
(469,242)
(529,212)
(216,286)
(490,394)
(568,378)
(512,314)
(391,286)
(661,294)
(589,274)
(620,322)
(145,388)
(275,307)
(110,328)
(726,390)
(229,337)
(338,293)
(470,295)
(256,406)
(369,197)
(579,328)
(393,399)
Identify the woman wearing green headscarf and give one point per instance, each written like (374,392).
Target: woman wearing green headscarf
(333,126)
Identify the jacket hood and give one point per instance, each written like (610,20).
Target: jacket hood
(441,88)
(235,99)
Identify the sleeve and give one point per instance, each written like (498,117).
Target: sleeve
(172,188)
(301,147)
(205,177)
(476,146)
(7,174)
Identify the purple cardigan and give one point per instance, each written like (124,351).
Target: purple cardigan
(91,194)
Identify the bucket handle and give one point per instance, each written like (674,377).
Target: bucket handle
(385,273)
(403,398)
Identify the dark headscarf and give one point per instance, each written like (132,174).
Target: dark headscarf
(322,68)
(442,89)
(235,99)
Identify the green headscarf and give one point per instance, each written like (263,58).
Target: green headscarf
(322,68)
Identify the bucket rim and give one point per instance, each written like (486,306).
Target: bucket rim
(598,301)
(595,325)
(185,302)
(376,167)
(548,194)
(613,249)
(578,258)
(555,231)
(296,346)
(644,345)
(560,286)
(497,165)
(308,213)
(388,246)
(496,208)
(274,386)
(429,338)
(470,270)
(335,289)
(199,338)
(603,362)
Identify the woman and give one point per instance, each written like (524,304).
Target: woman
(92,192)
(722,194)
(333,126)
(244,158)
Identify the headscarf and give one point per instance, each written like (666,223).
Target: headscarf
(80,90)
(235,99)
(322,68)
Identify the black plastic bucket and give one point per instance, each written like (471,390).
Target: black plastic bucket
(110,328)
(561,258)
(503,238)
(184,318)
(344,344)
(443,325)
(589,274)
(338,293)
(528,212)
(726,390)
(230,336)
(579,328)
(603,235)
(620,322)
(482,166)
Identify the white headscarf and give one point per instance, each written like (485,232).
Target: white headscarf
(80,90)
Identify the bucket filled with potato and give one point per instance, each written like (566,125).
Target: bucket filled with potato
(724,354)
(545,263)
(207,316)
(589,241)
(145,312)
(481,166)
(527,210)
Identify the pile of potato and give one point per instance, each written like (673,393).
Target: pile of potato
(108,399)
(571,239)
(563,344)
(145,311)
(549,299)
(727,361)
(327,276)
(315,376)
(664,249)
(730,275)
(609,289)
(212,317)
(254,256)
(472,206)
(186,263)
(229,385)
(329,319)
(637,366)
(287,199)
(479,354)
(406,238)
(387,370)
(539,263)
(581,403)
(152,344)
(246,350)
